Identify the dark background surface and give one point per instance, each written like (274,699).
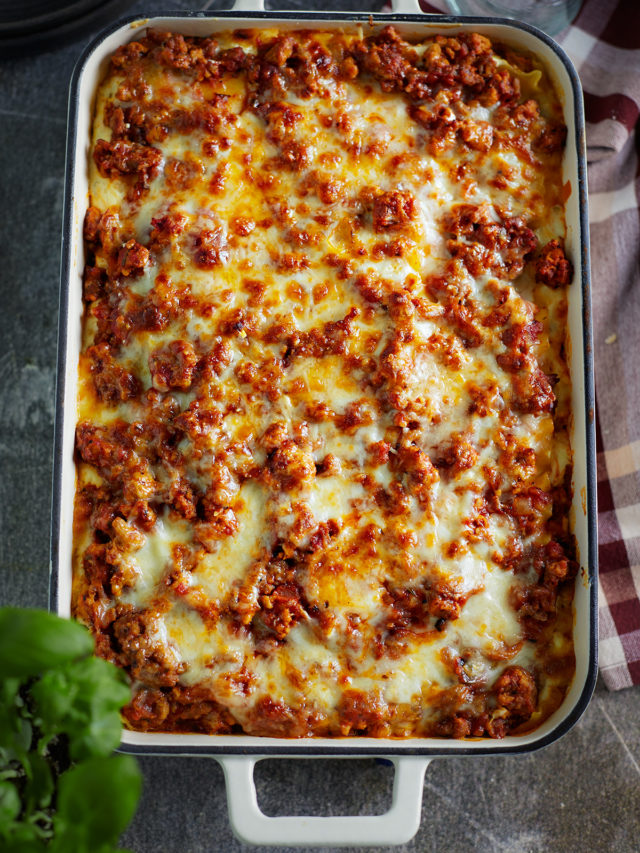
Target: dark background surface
(580,794)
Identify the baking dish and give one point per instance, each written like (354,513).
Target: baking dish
(238,754)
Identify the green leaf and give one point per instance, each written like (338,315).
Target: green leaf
(34,640)
(10,718)
(96,801)
(9,692)
(24,844)
(39,786)
(23,737)
(82,699)
(10,805)
(99,737)
(55,695)
(16,732)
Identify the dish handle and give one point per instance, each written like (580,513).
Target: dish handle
(248,6)
(396,826)
(408,7)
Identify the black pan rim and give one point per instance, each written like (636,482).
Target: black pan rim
(350,749)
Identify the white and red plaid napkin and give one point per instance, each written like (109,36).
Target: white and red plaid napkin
(604,45)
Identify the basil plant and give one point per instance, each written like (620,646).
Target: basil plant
(61,787)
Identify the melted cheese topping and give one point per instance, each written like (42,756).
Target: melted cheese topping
(321,455)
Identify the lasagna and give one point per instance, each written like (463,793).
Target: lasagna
(323,464)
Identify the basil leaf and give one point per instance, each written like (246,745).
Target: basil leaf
(58,703)
(10,805)
(24,844)
(34,640)
(96,801)
(82,699)
(23,737)
(11,728)
(39,786)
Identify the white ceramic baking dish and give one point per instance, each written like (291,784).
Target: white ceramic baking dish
(238,754)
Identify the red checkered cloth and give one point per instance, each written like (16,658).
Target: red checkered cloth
(604,45)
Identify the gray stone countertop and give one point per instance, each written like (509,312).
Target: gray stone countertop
(580,794)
